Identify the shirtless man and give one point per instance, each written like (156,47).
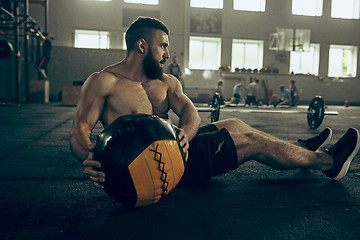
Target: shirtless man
(137,84)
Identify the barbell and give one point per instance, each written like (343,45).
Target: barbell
(315,112)
(214,109)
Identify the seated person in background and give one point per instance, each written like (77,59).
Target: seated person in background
(219,90)
(284,96)
(236,97)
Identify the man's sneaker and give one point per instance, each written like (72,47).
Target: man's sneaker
(343,153)
(317,142)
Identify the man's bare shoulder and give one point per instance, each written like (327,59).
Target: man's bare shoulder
(100,83)
(102,76)
(171,81)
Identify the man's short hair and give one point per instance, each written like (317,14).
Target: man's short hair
(143,27)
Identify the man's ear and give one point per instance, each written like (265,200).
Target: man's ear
(142,46)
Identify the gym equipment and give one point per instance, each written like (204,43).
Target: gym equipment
(315,112)
(6,49)
(141,157)
(214,109)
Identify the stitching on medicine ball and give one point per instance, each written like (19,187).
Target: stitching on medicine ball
(161,168)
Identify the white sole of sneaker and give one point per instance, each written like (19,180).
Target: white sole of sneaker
(346,165)
(325,142)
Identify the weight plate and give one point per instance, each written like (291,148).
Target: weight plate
(214,115)
(316,112)
(5,49)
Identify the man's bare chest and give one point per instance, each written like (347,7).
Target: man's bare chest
(141,98)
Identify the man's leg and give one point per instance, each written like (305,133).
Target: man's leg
(237,126)
(252,144)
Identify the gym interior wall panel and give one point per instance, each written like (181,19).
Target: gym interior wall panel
(129,15)
(76,64)
(7,79)
(67,15)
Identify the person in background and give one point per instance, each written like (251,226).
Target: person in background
(175,70)
(219,90)
(46,54)
(293,93)
(252,93)
(284,96)
(236,97)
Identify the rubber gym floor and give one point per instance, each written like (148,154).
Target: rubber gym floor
(45,195)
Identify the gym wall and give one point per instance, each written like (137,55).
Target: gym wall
(69,64)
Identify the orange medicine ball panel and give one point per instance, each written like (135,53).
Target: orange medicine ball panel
(156,171)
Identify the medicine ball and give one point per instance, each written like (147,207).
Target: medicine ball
(141,158)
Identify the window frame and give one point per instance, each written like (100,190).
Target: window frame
(144,2)
(260,56)
(218,52)
(355,7)
(353,61)
(262,4)
(315,63)
(318,12)
(203,5)
(97,33)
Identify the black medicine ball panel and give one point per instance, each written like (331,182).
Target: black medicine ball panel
(119,186)
(129,135)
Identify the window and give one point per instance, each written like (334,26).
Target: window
(204,53)
(207,3)
(345,9)
(149,2)
(91,39)
(247,54)
(247,5)
(307,7)
(342,61)
(124,47)
(306,62)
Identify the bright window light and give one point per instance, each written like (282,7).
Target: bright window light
(349,9)
(247,54)
(124,47)
(204,53)
(207,3)
(92,39)
(307,7)
(250,5)
(149,2)
(306,62)
(342,61)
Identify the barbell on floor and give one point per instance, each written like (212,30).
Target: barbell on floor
(214,109)
(315,113)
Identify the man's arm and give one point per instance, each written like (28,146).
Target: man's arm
(89,108)
(189,119)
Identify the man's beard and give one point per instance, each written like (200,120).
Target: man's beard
(151,68)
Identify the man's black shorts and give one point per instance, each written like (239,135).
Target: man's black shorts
(211,152)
